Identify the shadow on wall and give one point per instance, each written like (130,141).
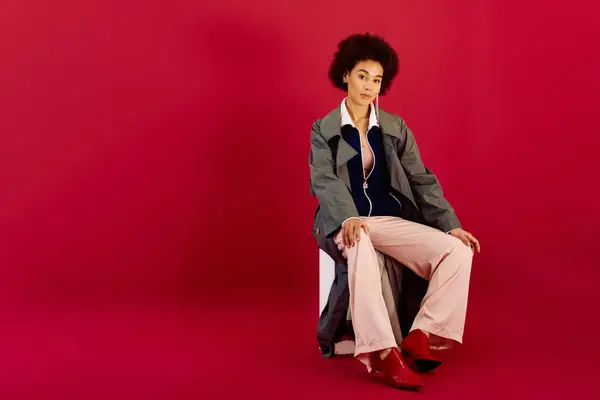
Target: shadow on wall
(238,240)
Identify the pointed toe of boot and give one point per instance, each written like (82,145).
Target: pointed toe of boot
(416,347)
(396,371)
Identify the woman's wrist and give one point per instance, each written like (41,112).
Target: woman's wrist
(348,219)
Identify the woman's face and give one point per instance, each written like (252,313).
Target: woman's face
(364,82)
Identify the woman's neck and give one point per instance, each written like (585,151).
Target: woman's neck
(357,112)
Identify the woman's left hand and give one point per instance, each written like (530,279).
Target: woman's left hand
(466,238)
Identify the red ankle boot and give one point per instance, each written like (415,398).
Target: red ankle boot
(416,347)
(397,373)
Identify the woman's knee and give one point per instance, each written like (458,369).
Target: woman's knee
(364,237)
(462,251)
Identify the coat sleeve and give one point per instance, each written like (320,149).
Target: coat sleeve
(335,200)
(434,208)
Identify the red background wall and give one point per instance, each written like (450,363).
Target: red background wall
(154,182)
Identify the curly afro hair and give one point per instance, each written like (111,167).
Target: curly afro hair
(363,47)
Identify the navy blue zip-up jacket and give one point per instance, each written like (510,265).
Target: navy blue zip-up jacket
(376,198)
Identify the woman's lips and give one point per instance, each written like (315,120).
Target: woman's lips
(365,96)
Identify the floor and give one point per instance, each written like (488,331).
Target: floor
(267,350)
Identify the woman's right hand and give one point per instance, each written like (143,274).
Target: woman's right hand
(351,231)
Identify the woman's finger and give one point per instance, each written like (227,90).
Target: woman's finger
(365,227)
(476,244)
(355,235)
(345,234)
(474,241)
(349,234)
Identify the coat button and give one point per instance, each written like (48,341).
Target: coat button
(318,231)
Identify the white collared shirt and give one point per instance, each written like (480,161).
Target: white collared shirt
(347,120)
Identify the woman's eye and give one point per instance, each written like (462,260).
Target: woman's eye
(377,81)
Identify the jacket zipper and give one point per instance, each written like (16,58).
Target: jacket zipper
(365,184)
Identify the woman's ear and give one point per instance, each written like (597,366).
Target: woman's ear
(345,77)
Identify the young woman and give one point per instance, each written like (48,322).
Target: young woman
(375,194)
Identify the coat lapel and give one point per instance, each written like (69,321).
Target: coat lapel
(344,154)
(397,179)
(390,126)
(392,131)
(330,127)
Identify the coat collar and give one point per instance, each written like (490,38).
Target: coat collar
(331,124)
(389,124)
